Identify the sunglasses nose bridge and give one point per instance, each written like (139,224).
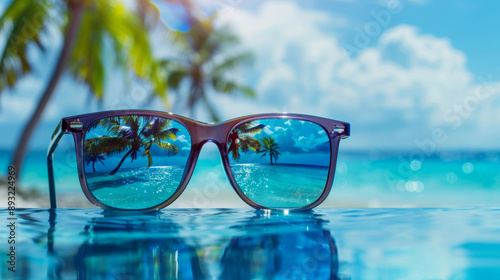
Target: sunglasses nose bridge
(210,133)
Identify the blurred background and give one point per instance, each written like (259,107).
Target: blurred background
(418,80)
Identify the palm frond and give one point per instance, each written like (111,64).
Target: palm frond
(254,129)
(106,145)
(100,158)
(111,24)
(232,62)
(176,77)
(111,125)
(247,142)
(234,150)
(168,134)
(155,126)
(27,20)
(86,62)
(167,146)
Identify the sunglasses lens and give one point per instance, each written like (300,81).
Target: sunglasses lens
(280,163)
(135,162)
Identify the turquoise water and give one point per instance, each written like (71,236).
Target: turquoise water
(281,185)
(458,243)
(270,185)
(135,188)
(363,179)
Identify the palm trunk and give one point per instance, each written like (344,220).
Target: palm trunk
(192,101)
(71,33)
(93,166)
(121,162)
(271,158)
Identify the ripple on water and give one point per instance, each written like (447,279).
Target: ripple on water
(460,243)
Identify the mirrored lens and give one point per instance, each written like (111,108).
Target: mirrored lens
(280,163)
(135,162)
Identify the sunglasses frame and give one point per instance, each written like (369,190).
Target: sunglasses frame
(200,133)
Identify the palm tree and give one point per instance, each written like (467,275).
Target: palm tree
(93,158)
(270,147)
(97,148)
(88,27)
(131,133)
(158,132)
(208,57)
(240,138)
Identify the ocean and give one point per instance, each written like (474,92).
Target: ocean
(363,179)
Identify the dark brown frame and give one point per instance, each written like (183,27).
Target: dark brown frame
(200,133)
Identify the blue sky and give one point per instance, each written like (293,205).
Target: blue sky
(299,142)
(424,73)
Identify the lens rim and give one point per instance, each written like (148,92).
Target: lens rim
(333,138)
(88,119)
(85,166)
(282,118)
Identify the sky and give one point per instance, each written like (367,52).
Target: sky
(297,141)
(419,74)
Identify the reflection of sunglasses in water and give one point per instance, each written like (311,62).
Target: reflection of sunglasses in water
(143,160)
(158,246)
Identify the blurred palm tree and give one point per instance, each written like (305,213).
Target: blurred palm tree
(269,146)
(207,58)
(88,27)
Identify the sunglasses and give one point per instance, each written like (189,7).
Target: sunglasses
(143,160)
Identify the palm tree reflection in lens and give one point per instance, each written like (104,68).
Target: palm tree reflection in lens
(125,180)
(92,155)
(240,139)
(270,147)
(299,179)
(132,133)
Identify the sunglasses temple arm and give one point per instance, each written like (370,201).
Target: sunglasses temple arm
(56,138)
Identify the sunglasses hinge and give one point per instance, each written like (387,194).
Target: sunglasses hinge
(76,126)
(338,129)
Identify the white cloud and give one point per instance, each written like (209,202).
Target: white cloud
(408,79)
(182,138)
(268,130)
(408,69)
(308,142)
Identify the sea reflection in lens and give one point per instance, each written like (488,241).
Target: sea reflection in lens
(135,162)
(280,163)
(157,246)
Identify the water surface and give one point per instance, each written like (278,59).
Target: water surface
(459,243)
